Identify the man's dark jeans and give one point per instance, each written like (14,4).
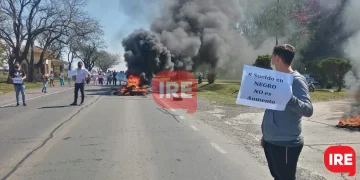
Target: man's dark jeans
(282,161)
(79,86)
(114,81)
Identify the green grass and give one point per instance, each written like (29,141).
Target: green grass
(227,93)
(7,88)
(223,93)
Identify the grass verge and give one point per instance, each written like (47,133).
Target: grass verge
(7,88)
(227,93)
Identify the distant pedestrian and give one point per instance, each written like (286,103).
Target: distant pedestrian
(108,77)
(101,78)
(95,77)
(61,78)
(82,75)
(45,79)
(52,79)
(17,75)
(114,77)
(282,135)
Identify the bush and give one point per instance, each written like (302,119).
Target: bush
(335,69)
(263,61)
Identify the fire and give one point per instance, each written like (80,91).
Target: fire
(133,81)
(133,86)
(350,122)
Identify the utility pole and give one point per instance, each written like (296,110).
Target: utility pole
(277,22)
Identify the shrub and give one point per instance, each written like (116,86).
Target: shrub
(335,69)
(263,61)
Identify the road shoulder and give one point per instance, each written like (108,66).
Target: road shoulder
(242,124)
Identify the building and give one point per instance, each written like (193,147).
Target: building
(49,64)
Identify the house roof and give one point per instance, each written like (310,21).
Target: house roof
(39,49)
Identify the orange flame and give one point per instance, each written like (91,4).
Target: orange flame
(133,81)
(350,122)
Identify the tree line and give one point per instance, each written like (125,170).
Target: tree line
(328,69)
(60,27)
(316,31)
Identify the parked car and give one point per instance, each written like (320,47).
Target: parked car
(310,77)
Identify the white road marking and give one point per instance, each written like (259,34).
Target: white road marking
(173,110)
(37,97)
(194,128)
(181,117)
(218,148)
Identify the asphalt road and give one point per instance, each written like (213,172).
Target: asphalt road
(127,138)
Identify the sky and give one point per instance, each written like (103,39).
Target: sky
(117,23)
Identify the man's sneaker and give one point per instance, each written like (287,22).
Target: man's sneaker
(17,104)
(81,104)
(24,104)
(73,104)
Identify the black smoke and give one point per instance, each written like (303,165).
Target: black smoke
(189,34)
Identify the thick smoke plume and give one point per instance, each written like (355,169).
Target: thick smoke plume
(351,48)
(189,34)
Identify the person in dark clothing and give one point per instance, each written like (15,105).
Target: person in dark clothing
(282,140)
(82,75)
(114,78)
(17,76)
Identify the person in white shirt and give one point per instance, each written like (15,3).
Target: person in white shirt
(52,79)
(82,75)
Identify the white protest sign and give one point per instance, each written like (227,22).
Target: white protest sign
(265,88)
(17,80)
(72,73)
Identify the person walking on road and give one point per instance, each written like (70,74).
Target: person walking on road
(82,76)
(17,76)
(45,79)
(282,140)
(52,79)
(61,78)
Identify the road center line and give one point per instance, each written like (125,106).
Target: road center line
(194,128)
(38,96)
(218,148)
(181,117)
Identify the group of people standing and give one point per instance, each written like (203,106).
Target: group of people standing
(98,78)
(50,78)
(17,76)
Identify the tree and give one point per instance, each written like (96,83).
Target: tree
(107,60)
(263,22)
(263,62)
(88,50)
(76,40)
(22,21)
(2,54)
(316,69)
(335,69)
(326,34)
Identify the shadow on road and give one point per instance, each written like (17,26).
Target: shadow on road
(53,107)
(99,92)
